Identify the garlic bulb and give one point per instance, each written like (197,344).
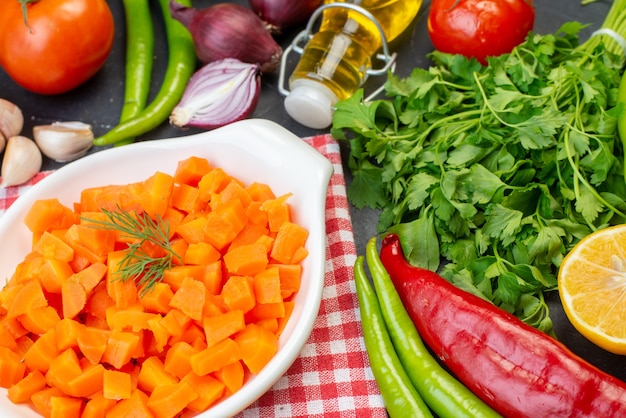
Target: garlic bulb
(11,121)
(22,160)
(64,141)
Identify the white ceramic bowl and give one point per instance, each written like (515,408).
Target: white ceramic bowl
(251,150)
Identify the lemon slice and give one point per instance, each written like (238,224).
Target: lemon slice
(592,287)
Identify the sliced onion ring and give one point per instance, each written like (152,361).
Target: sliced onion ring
(219,93)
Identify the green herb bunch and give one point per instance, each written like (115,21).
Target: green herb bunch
(491,174)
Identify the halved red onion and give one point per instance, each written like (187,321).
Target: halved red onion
(219,93)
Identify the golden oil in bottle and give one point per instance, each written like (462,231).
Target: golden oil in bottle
(335,61)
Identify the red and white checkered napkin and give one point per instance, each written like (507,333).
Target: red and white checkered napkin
(331,377)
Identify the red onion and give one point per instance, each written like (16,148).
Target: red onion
(283,14)
(229,30)
(219,93)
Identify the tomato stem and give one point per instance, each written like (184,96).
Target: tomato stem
(23,3)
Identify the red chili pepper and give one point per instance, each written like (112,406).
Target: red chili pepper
(516,369)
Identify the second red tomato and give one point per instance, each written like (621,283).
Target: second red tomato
(479,28)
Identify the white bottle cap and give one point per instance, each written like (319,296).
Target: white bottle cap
(311,103)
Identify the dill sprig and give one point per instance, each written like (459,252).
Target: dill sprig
(140,229)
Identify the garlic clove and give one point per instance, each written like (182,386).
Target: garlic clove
(64,141)
(22,160)
(3,142)
(11,119)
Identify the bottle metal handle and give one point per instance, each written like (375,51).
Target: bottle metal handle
(301,39)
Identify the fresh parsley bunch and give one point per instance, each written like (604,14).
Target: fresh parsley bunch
(491,174)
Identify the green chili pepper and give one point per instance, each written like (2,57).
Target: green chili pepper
(180,67)
(445,395)
(400,397)
(139,57)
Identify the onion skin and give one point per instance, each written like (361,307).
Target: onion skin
(229,30)
(284,14)
(219,93)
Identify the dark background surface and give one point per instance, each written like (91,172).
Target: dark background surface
(99,101)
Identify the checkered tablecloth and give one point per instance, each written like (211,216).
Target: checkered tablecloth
(331,377)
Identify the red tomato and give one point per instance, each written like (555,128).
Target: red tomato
(65,43)
(479,28)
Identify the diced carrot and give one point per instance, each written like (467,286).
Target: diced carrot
(65,407)
(42,400)
(156,192)
(29,296)
(74,297)
(47,214)
(187,198)
(160,333)
(278,212)
(123,293)
(201,253)
(289,279)
(158,298)
(270,324)
(91,242)
(170,400)
(12,368)
(289,305)
(189,171)
(208,389)
(21,391)
(178,247)
(214,305)
(224,223)
(290,237)
(214,358)
(98,406)
(67,333)
(92,342)
(249,235)
(212,182)
(63,368)
(219,327)
(192,230)
(299,255)
(116,385)
(235,191)
(177,274)
(213,277)
(128,319)
(6,338)
(190,298)
(183,345)
(52,273)
(40,320)
(232,376)
(88,383)
(238,293)
(42,352)
(135,406)
(263,311)
(91,276)
(153,374)
(260,192)
(177,359)
(99,301)
(51,246)
(246,260)
(194,335)
(267,286)
(257,346)
(120,348)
